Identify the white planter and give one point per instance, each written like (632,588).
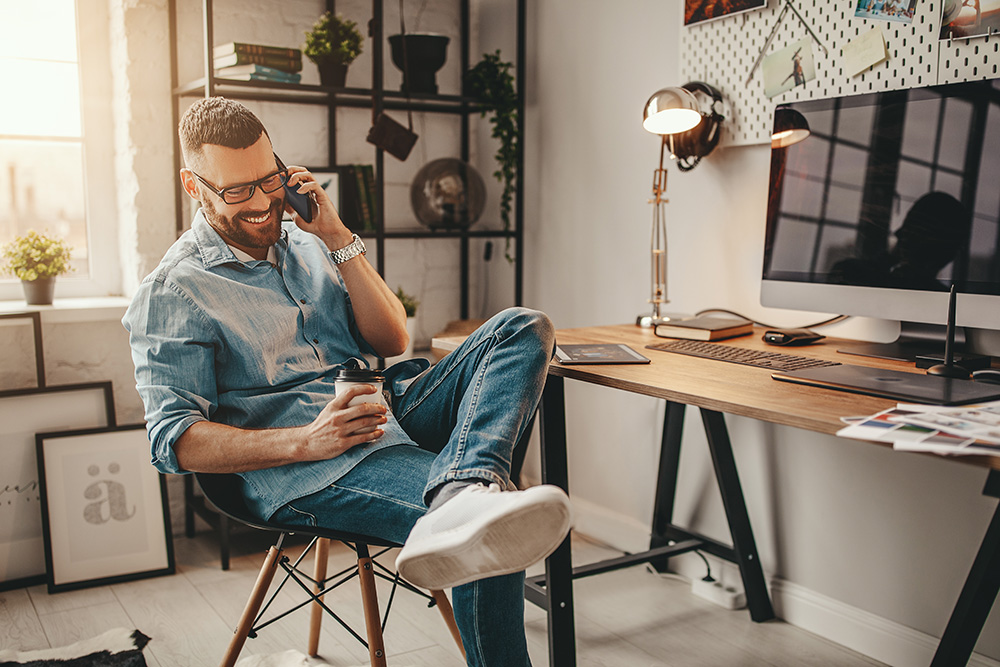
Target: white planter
(411,328)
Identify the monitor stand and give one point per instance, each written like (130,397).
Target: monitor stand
(915,339)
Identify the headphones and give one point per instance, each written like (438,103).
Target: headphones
(689,147)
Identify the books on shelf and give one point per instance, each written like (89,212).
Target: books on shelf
(357,201)
(257,73)
(705,328)
(277,57)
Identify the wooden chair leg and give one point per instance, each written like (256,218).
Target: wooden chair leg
(369,598)
(444,606)
(319,574)
(264,578)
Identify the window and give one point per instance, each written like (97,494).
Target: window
(55,137)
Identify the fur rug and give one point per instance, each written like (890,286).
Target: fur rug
(115,648)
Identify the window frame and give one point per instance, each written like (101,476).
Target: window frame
(97,142)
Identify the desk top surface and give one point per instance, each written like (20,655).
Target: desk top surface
(726,387)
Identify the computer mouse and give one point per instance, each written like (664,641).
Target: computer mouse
(791,337)
(991,375)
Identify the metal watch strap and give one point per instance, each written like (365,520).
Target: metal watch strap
(350,251)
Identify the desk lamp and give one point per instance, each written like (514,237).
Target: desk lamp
(790,127)
(668,112)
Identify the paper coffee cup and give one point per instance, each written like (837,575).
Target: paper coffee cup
(347,378)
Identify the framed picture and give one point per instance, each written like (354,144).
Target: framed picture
(104,508)
(698,11)
(19,370)
(23,413)
(790,67)
(970,18)
(901,11)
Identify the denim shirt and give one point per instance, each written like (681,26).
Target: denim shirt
(248,345)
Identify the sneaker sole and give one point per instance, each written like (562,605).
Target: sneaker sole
(509,543)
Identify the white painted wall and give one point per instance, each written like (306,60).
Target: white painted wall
(863,545)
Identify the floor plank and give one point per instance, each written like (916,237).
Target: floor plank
(628,617)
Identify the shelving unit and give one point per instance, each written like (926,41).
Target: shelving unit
(380,99)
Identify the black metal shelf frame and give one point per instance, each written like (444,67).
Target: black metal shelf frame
(378,99)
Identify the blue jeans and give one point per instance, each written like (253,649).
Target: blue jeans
(465,414)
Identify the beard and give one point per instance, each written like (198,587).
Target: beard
(242,233)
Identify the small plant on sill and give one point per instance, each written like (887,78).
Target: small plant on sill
(36,256)
(491,82)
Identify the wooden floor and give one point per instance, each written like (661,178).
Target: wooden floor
(630,617)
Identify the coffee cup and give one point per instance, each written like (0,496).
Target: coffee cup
(351,377)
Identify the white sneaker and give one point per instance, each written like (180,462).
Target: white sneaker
(484,532)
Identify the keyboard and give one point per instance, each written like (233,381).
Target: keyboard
(776,361)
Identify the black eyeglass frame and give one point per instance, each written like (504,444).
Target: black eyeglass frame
(282,173)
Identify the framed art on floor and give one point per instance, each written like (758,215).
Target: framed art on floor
(104,508)
(23,413)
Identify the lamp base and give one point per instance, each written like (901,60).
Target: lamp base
(649,321)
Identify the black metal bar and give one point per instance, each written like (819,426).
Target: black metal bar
(175,115)
(666,479)
(558,566)
(188,505)
(378,104)
(536,595)
(209,47)
(627,560)
(758,599)
(522,91)
(978,594)
(708,545)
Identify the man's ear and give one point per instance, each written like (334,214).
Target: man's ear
(190,184)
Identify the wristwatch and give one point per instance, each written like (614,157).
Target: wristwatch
(350,251)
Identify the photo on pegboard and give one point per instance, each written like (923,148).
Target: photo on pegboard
(900,11)
(969,18)
(790,67)
(698,11)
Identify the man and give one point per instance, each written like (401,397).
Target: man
(236,337)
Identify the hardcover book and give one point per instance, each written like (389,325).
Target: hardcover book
(281,62)
(705,328)
(257,73)
(256,49)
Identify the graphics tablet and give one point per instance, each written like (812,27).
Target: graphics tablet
(906,387)
(598,354)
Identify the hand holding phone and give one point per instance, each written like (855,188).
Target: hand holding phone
(300,203)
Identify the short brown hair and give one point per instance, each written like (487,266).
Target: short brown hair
(220,122)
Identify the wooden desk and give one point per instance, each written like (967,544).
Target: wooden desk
(716,388)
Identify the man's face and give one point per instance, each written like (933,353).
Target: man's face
(254,225)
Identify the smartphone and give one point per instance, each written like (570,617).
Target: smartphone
(301,203)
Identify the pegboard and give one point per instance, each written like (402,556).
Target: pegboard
(723,51)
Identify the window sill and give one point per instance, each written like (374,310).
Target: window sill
(89,309)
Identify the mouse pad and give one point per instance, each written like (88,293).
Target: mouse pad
(910,387)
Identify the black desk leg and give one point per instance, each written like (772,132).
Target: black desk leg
(978,593)
(558,566)
(758,599)
(666,480)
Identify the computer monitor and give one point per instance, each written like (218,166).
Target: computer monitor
(891,198)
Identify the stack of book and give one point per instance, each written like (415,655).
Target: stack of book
(257,62)
(358,203)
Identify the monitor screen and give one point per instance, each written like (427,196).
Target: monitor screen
(890,199)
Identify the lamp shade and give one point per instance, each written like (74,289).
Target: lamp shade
(671,110)
(790,127)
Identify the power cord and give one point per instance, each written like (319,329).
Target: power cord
(832,320)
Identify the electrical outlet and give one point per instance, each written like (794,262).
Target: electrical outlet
(724,595)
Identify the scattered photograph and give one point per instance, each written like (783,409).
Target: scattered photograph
(900,11)
(969,18)
(699,11)
(790,67)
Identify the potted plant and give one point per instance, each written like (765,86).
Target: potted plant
(333,44)
(37,259)
(492,84)
(410,306)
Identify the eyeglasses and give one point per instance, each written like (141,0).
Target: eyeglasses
(237,194)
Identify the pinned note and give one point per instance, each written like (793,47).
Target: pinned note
(864,51)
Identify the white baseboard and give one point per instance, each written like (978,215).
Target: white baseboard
(871,635)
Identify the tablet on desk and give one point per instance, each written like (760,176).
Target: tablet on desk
(595,353)
(899,385)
